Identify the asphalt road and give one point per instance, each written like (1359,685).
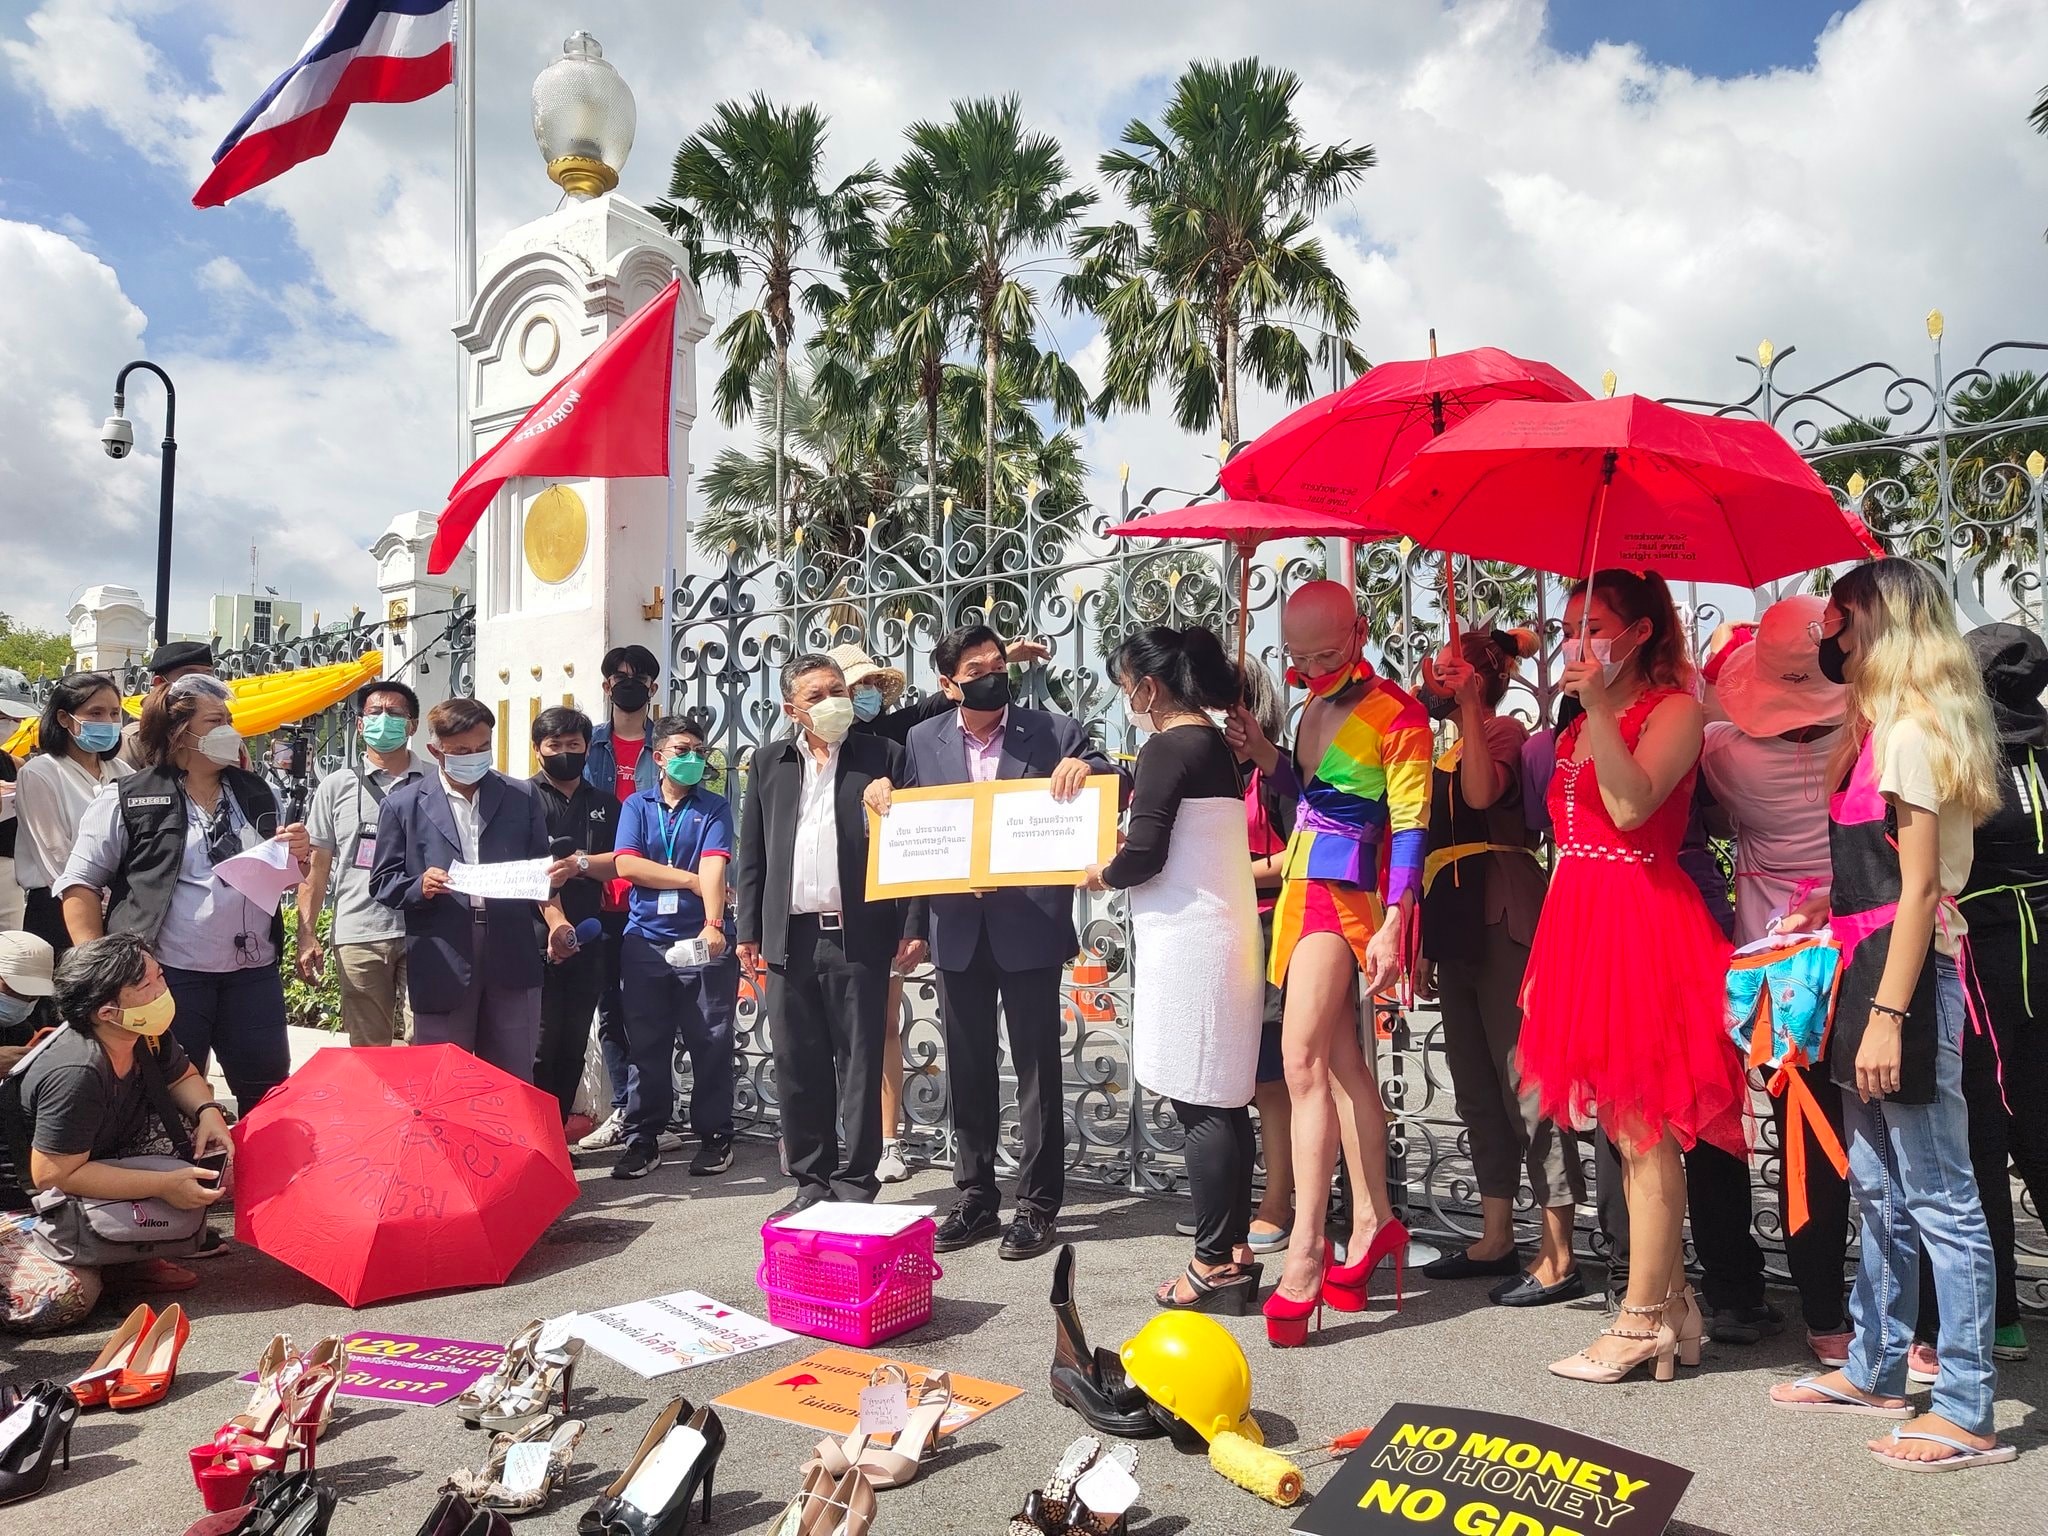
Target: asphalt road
(1758,1472)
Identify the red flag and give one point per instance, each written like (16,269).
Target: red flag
(609,419)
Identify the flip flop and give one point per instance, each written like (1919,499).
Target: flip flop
(1967,1455)
(1839,1402)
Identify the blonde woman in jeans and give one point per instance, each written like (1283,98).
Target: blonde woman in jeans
(1918,768)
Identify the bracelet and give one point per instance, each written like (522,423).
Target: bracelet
(217,1107)
(1897,1013)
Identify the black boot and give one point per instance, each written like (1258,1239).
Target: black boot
(1091,1382)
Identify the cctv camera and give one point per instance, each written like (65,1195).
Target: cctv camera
(117,437)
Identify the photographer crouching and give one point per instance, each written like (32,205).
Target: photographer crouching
(124,1147)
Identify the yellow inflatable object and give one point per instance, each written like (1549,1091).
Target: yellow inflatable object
(1189,1364)
(262,704)
(1255,1469)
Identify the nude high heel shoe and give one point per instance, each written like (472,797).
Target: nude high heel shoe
(1662,1354)
(1688,1326)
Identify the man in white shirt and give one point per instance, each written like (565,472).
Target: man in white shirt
(804,914)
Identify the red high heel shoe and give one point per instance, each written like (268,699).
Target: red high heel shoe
(225,1466)
(1348,1287)
(1287,1319)
(148,1375)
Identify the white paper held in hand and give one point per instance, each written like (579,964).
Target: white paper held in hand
(926,840)
(1032,833)
(884,1409)
(512,880)
(262,873)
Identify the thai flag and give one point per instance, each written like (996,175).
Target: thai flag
(364,50)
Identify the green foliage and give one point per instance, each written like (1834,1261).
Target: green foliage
(310,1007)
(1221,275)
(38,653)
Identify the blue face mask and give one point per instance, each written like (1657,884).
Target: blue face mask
(96,735)
(14,1009)
(867,703)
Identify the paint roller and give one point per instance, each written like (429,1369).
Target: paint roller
(1267,1473)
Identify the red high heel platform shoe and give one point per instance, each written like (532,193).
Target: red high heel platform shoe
(1348,1287)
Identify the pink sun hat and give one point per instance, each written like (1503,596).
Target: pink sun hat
(1774,684)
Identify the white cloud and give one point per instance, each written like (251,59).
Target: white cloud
(1597,211)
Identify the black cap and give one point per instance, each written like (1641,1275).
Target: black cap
(641,658)
(2014,662)
(181,653)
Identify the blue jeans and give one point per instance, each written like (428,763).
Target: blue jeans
(663,1005)
(240,1015)
(1909,1167)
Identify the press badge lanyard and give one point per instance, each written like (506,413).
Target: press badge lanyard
(667,903)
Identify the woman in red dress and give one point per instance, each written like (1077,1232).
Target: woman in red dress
(1623,996)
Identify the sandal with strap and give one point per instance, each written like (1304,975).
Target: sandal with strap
(514,1484)
(1662,1355)
(839,1457)
(551,1363)
(898,1464)
(1228,1288)
(1966,1454)
(1838,1401)
(484,1392)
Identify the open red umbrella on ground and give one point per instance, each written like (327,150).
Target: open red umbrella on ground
(1568,487)
(1246,525)
(383,1171)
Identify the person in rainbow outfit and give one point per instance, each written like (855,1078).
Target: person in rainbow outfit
(1353,876)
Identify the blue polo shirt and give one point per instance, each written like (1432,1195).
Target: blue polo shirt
(680,838)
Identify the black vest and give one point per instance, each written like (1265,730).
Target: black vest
(153,812)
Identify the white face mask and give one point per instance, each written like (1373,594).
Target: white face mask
(1141,719)
(831,718)
(222,744)
(466,767)
(1600,650)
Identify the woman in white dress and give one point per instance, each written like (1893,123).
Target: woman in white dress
(76,740)
(1198,981)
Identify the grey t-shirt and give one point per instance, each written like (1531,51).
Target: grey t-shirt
(343,820)
(76,1102)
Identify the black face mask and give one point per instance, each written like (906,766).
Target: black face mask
(629,694)
(564,767)
(1834,661)
(1437,704)
(987,693)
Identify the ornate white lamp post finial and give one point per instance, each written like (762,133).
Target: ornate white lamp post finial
(583,119)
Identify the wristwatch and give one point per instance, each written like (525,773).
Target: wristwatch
(217,1107)
(582,863)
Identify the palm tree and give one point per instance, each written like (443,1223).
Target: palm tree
(1222,273)
(978,200)
(746,199)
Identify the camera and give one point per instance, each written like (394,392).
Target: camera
(117,437)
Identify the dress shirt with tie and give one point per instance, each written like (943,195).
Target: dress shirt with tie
(814,872)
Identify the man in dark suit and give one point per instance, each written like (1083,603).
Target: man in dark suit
(1010,945)
(473,968)
(803,910)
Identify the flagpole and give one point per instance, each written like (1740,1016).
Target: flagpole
(668,526)
(465,211)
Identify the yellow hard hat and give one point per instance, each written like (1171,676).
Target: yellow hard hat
(1189,1365)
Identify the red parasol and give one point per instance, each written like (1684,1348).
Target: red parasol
(383,1171)
(1247,525)
(1573,486)
(1334,453)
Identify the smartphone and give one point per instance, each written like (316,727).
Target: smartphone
(215,1162)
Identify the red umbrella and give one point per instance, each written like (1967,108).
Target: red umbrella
(1333,453)
(1247,525)
(383,1171)
(1574,486)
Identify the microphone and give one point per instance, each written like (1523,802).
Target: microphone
(561,847)
(589,931)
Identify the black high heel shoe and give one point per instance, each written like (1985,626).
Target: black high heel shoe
(652,1496)
(1091,1382)
(25,1468)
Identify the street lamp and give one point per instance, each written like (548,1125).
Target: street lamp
(583,119)
(118,438)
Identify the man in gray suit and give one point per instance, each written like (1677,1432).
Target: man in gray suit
(1010,945)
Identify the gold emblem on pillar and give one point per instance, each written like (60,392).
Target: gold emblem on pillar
(557,534)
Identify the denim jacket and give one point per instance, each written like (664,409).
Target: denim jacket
(601,767)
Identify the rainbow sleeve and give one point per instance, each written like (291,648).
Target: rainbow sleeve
(1405,749)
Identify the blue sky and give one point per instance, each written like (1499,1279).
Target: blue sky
(1723,38)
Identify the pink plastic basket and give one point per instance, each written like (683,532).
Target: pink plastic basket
(851,1290)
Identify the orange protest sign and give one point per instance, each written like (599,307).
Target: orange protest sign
(822,1391)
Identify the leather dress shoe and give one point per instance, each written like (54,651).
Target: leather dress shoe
(1462,1266)
(1031,1234)
(804,1200)
(966,1226)
(1525,1291)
